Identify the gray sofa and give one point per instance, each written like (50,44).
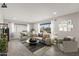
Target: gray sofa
(68,46)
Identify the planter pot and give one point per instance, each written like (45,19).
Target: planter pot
(3,54)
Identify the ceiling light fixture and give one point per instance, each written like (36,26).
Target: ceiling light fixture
(4,5)
(54,13)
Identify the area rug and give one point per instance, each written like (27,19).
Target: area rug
(33,48)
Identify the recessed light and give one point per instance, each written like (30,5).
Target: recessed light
(54,13)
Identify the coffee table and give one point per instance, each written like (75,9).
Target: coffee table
(28,41)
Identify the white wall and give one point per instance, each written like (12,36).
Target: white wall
(28,27)
(75,31)
(18,29)
(52,27)
(15,30)
(37,27)
(11,30)
(1,19)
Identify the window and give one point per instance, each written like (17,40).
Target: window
(65,25)
(13,27)
(46,27)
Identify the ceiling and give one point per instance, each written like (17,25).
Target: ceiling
(34,12)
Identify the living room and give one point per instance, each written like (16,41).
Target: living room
(40,28)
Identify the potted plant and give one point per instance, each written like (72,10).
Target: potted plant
(3,45)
